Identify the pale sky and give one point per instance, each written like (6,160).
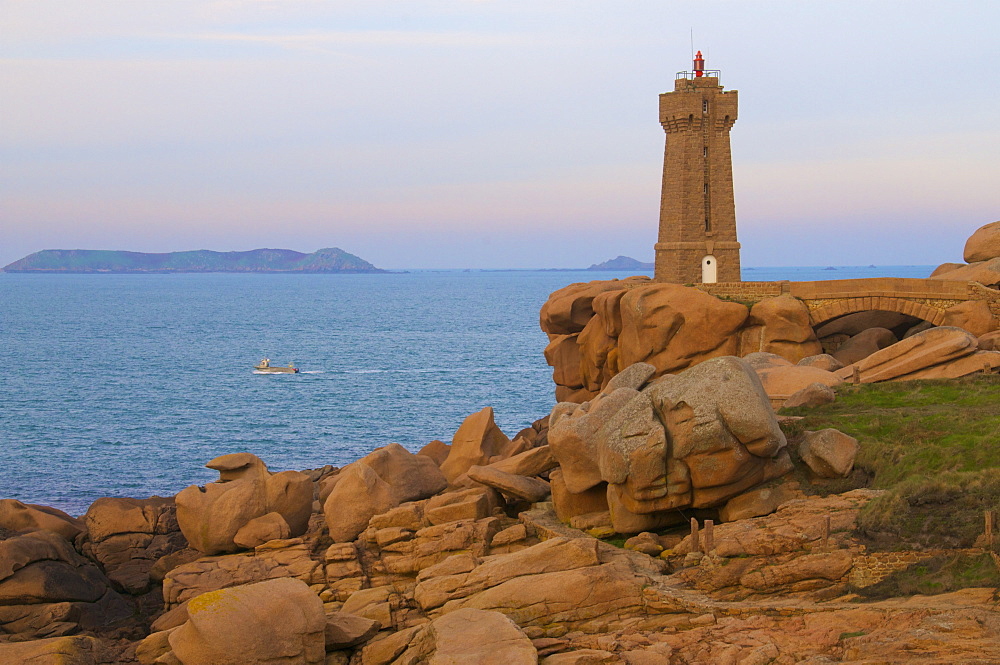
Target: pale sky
(490,134)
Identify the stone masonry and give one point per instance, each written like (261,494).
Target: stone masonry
(926,299)
(697,208)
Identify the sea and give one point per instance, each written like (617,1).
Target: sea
(126,385)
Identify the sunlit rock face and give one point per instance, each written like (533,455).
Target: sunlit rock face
(376,483)
(984,244)
(692,440)
(598,329)
(210,517)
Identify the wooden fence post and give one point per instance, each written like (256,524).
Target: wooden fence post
(709,536)
(695,545)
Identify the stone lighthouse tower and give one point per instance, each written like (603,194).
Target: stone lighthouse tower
(697,240)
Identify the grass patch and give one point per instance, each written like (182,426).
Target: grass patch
(934,444)
(746,303)
(938,511)
(940,574)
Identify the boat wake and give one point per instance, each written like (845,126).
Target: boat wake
(311,371)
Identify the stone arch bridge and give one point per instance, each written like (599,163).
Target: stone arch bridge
(926,299)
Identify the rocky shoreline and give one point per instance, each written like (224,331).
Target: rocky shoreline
(652,518)
(487,550)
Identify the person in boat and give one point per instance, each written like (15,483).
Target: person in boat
(266,362)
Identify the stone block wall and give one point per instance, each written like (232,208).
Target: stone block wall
(874,567)
(697,208)
(745,291)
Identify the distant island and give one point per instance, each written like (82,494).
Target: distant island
(622,263)
(330,260)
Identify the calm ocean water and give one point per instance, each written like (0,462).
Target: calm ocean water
(125,385)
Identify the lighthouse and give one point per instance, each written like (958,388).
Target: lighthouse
(697,236)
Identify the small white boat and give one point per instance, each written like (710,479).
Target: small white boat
(266,367)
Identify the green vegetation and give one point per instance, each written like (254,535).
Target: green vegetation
(616,540)
(939,574)
(746,303)
(935,445)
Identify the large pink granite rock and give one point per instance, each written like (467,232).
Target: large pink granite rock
(597,330)
(986,273)
(980,361)
(563,355)
(815,394)
(69,650)
(47,589)
(780,325)
(828,452)
(465,636)
(533,462)
(864,344)
(276,622)
(674,327)
(984,244)
(691,440)
(759,501)
(573,436)
(990,341)
(344,630)
(781,380)
(263,529)
(437,450)
(510,484)
(210,516)
(972,315)
(822,361)
(570,504)
(919,352)
(128,536)
(273,560)
(946,267)
(600,359)
(598,353)
(24,517)
(568,310)
(376,483)
(721,427)
(478,441)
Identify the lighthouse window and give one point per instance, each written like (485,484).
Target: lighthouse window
(704,151)
(704,106)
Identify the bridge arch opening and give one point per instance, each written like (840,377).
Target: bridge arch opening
(839,307)
(880,328)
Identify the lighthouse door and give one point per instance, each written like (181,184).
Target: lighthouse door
(709,270)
